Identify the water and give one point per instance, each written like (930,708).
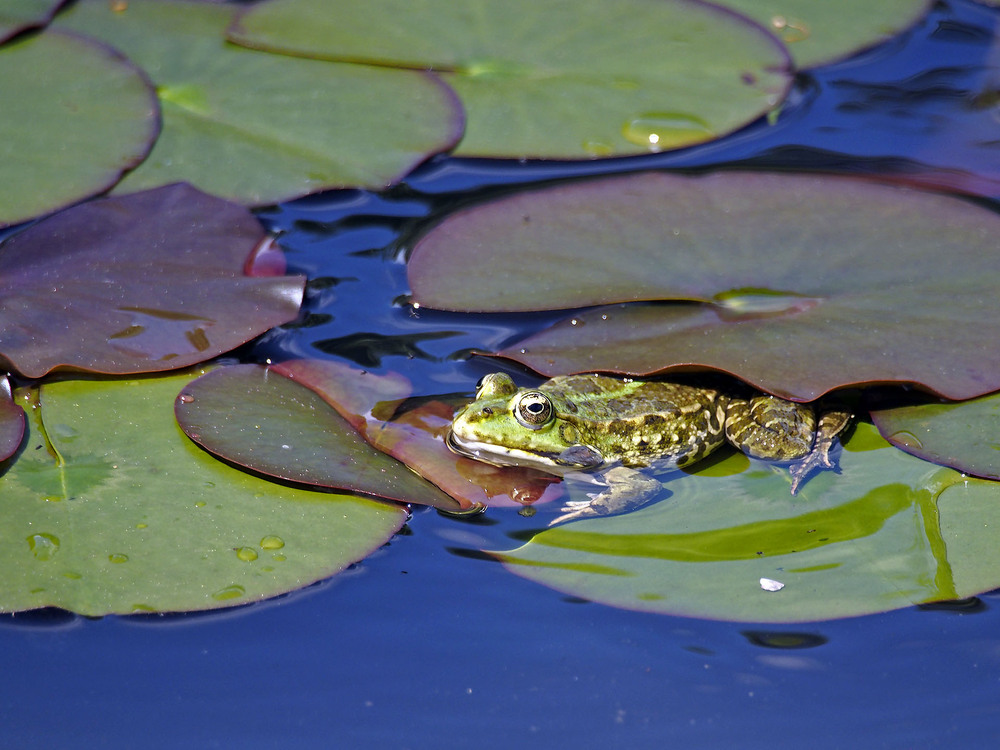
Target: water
(425,644)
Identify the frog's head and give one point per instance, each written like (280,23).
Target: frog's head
(507,426)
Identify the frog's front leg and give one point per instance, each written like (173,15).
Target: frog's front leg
(770,428)
(626,490)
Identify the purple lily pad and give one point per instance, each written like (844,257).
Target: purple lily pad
(260,419)
(964,436)
(147,282)
(804,283)
(11,422)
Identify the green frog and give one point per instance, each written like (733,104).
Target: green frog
(607,428)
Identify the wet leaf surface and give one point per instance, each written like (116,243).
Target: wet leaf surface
(890,532)
(83,116)
(964,435)
(141,283)
(819,32)
(255,417)
(553,80)
(806,283)
(261,128)
(110,509)
(11,421)
(19,15)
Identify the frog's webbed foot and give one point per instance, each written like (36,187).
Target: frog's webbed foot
(626,490)
(772,429)
(831,425)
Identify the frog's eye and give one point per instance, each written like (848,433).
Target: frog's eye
(533,410)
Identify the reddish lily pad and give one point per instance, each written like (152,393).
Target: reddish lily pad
(18,15)
(76,115)
(262,128)
(553,80)
(11,422)
(256,417)
(805,283)
(416,437)
(964,435)
(143,283)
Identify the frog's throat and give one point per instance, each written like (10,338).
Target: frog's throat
(499,455)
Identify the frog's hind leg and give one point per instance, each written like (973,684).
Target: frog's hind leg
(773,429)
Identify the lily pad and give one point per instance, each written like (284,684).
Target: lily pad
(891,532)
(112,510)
(263,128)
(19,15)
(258,418)
(819,32)
(142,283)
(83,116)
(416,436)
(805,283)
(11,422)
(964,435)
(554,80)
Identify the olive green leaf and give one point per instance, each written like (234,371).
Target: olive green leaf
(963,435)
(18,15)
(262,128)
(145,282)
(801,283)
(75,116)
(818,31)
(556,79)
(257,417)
(892,531)
(111,509)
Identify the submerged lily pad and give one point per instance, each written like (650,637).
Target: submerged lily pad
(555,80)
(891,532)
(18,15)
(818,31)
(141,283)
(964,435)
(111,509)
(806,283)
(11,421)
(256,417)
(76,115)
(263,128)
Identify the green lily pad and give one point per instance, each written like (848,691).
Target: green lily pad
(256,417)
(83,116)
(141,283)
(805,283)
(554,80)
(263,128)
(11,422)
(19,15)
(963,435)
(818,31)
(110,509)
(892,531)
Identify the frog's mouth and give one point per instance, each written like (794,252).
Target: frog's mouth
(500,455)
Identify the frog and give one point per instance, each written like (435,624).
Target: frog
(615,431)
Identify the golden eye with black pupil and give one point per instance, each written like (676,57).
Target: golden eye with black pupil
(533,410)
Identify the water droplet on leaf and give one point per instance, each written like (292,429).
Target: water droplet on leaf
(229,592)
(246,554)
(272,542)
(43,546)
(661,130)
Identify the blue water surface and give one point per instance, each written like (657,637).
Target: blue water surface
(425,646)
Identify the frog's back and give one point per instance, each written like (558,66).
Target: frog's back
(639,422)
